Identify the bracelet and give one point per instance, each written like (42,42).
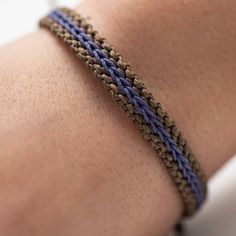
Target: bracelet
(134,80)
(127,89)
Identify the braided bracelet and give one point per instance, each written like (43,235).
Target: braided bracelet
(127,89)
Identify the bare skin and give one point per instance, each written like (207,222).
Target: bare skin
(71,163)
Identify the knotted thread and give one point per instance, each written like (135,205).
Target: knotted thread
(140,106)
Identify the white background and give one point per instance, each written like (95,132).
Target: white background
(218,217)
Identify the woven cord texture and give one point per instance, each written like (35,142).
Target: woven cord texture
(182,185)
(140,105)
(101,73)
(136,83)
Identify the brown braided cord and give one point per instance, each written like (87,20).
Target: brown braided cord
(147,96)
(182,185)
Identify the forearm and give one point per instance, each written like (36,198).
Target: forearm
(66,152)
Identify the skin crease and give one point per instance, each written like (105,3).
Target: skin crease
(68,166)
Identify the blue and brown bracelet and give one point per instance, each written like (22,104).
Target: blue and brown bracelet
(127,89)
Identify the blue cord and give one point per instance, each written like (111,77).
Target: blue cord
(140,106)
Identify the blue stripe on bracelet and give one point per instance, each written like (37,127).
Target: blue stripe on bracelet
(140,106)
